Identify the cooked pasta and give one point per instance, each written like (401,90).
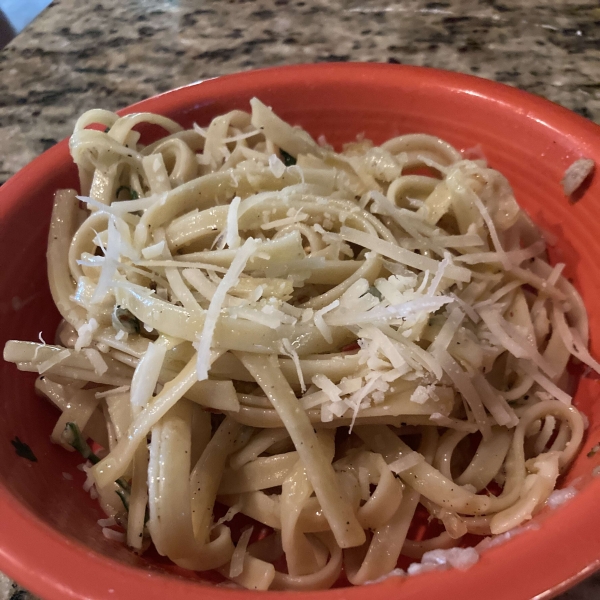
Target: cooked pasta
(321,341)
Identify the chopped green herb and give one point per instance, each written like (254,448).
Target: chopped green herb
(374,292)
(73,436)
(133,195)
(106,129)
(288,159)
(125,320)
(124,499)
(23,450)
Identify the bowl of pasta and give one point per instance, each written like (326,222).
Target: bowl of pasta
(305,330)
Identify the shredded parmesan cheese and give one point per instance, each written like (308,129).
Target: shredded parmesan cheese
(320,321)
(288,350)
(118,390)
(111,534)
(232,237)
(559,497)
(406,462)
(85,334)
(236,566)
(54,360)
(276,165)
(458,558)
(98,363)
(154,251)
(423,393)
(231,512)
(212,314)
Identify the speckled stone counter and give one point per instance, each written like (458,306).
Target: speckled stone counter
(110,53)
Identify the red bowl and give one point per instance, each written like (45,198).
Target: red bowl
(49,539)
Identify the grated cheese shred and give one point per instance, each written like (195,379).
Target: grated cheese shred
(236,566)
(212,314)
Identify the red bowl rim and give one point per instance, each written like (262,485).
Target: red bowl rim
(57,567)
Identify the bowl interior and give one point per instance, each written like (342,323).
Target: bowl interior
(529,140)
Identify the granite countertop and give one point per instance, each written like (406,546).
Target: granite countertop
(110,53)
